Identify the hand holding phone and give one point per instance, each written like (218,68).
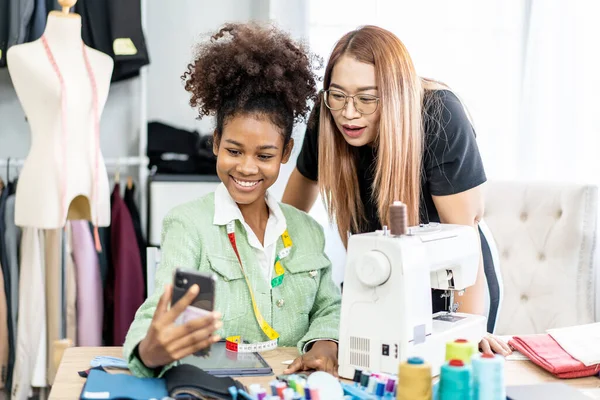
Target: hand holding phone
(166,341)
(203,304)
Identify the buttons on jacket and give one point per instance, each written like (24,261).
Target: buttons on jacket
(280,303)
(313,273)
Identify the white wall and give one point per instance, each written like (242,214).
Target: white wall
(171,34)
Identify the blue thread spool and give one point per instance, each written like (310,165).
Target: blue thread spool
(456,379)
(488,377)
(307,393)
(273,385)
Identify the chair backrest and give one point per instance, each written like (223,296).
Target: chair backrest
(152,262)
(546,239)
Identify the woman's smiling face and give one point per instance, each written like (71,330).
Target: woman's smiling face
(249,156)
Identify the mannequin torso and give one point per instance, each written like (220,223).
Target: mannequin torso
(47,175)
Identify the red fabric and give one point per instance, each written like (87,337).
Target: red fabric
(544,351)
(128,284)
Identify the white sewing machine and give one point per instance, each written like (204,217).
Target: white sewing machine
(386,304)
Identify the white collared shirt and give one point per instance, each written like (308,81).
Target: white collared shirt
(227,210)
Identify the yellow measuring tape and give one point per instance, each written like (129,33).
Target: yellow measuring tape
(234,343)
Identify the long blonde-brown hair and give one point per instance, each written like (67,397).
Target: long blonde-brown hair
(399,142)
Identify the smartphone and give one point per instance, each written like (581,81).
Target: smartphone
(183,280)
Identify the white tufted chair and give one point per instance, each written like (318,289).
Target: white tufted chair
(545,235)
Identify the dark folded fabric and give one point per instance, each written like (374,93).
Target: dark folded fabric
(188,381)
(178,151)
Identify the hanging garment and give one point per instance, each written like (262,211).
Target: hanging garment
(127,283)
(104,255)
(32,311)
(18,25)
(71,287)
(128,42)
(137,225)
(39,377)
(4,349)
(4,346)
(54,312)
(38,20)
(108,279)
(6,272)
(12,238)
(115,28)
(4,18)
(89,286)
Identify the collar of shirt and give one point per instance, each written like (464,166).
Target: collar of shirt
(227,210)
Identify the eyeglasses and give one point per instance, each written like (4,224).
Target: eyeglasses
(365,104)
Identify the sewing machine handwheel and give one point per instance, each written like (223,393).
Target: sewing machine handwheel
(373,268)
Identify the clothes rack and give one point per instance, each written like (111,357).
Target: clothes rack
(109,162)
(113,164)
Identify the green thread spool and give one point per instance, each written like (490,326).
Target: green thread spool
(461,349)
(456,381)
(414,380)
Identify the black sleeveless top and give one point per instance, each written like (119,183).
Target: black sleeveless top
(451,164)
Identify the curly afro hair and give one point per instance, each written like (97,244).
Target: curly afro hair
(250,68)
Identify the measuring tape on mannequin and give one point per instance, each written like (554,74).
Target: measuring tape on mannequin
(234,343)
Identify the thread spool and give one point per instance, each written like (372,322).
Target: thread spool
(461,349)
(314,394)
(380,388)
(273,386)
(390,385)
(288,393)
(456,381)
(372,384)
(398,219)
(414,380)
(364,378)
(488,377)
(280,388)
(307,393)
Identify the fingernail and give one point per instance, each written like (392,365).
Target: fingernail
(216,338)
(217,315)
(218,325)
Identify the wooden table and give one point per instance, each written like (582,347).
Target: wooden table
(68,384)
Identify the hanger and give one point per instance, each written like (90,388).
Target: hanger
(129,182)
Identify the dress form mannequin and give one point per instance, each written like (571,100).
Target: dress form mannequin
(64,175)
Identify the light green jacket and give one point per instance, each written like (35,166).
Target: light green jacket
(306,306)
